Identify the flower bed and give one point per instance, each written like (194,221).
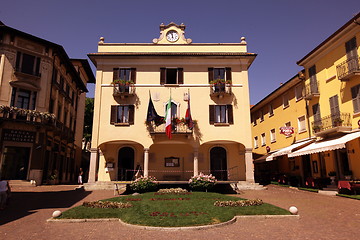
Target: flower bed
(172,191)
(239,203)
(202,182)
(144,184)
(106,204)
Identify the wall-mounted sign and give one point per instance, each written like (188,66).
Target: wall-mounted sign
(172,162)
(18,135)
(287,131)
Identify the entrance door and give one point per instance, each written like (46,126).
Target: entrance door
(306,167)
(218,163)
(15,163)
(126,164)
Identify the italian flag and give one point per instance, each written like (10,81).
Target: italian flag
(168,119)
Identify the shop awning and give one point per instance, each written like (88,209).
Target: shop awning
(267,157)
(287,150)
(326,145)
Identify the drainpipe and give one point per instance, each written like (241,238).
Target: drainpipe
(2,65)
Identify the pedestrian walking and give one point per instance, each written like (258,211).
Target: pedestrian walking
(4,193)
(80,182)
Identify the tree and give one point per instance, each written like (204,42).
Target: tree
(88,120)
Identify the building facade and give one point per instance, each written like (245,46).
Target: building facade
(138,83)
(330,105)
(42,102)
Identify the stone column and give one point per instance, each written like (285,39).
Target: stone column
(146,162)
(249,165)
(196,162)
(93,161)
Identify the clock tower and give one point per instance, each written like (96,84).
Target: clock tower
(172,34)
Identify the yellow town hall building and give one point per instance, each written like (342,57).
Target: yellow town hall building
(136,82)
(321,105)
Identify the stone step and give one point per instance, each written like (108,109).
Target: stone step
(243,185)
(21,183)
(328,192)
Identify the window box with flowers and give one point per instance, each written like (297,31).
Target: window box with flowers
(123,87)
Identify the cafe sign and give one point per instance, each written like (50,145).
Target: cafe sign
(287,131)
(15,135)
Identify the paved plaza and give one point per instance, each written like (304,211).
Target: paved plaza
(321,217)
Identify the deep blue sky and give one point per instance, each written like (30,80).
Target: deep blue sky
(281,32)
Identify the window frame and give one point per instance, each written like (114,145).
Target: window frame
(286,99)
(256,142)
(272,135)
(213,114)
(301,130)
(301,87)
(263,139)
(114,115)
(271,110)
(164,75)
(227,73)
(31,98)
(355,95)
(20,64)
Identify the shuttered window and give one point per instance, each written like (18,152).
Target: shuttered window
(221,114)
(316,114)
(122,114)
(334,106)
(171,76)
(313,80)
(127,74)
(219,73)
(355,94)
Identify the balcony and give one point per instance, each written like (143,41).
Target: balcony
(177,128)
(311,90)
(348,68)
(123,90)
(36,118)
(335,123)
(220,89)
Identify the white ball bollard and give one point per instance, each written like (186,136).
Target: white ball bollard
(56,214)
(293,210)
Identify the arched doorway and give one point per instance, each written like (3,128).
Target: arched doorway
(218,163)
(126,164)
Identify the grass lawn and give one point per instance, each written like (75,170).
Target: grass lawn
(349,196)
(173,210)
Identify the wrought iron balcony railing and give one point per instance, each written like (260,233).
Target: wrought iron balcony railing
(331,121)
(38,118)
(311,90)
(177,128)
(123,90)
(220,89)
(348,68)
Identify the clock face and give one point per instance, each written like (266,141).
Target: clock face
(172,36)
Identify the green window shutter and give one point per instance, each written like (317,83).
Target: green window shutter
(131,114)
(355,94)
(230,114)
(211,74)
(228,73)
(115,73)
(211,114)
(180,76)
(113,113)
(133,75)
(162,75)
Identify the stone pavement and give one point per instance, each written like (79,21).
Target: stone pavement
(321,217)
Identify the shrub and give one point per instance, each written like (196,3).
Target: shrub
(144,184)
(202,182)
(106,204)
(239,203)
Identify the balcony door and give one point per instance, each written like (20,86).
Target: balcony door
(352,56)
(218,163)
(126,164)
(334,109)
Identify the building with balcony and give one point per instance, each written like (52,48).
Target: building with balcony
(42,102)
(331,110)
(279,126)
(143,96)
